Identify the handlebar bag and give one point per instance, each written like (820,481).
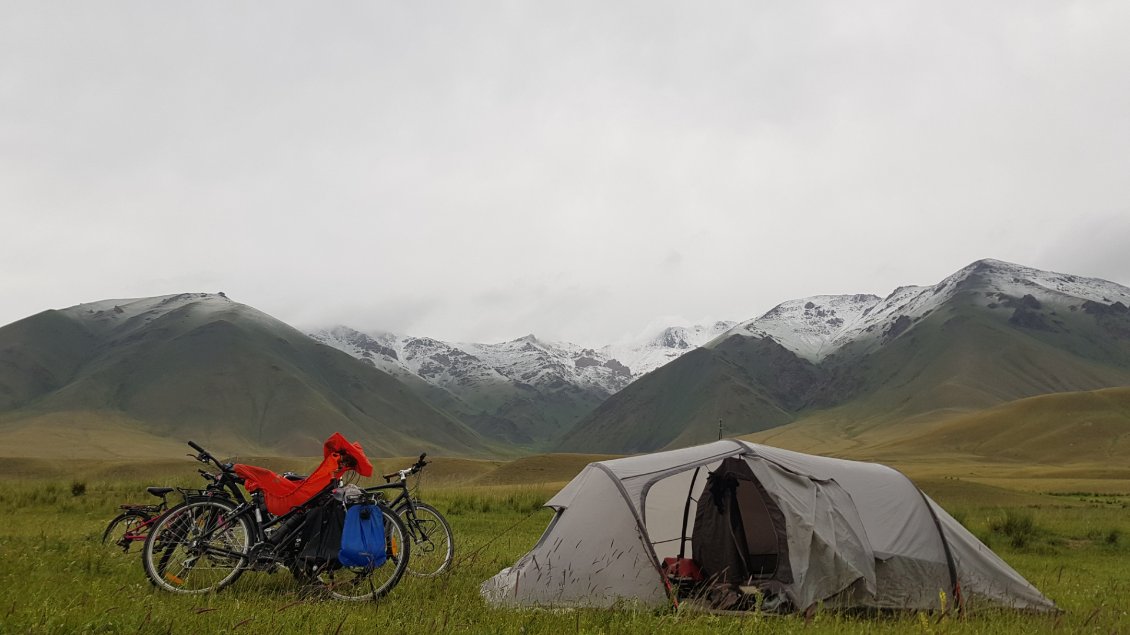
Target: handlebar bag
(363,537)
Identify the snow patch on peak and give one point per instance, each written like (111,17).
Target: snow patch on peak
(123,316)
(816,327)
(381,350)
(124,309)
(526,361)
(673,337)
(812,327)
(1047,286)
(652,351)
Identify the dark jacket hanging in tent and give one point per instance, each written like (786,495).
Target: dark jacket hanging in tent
(739,533)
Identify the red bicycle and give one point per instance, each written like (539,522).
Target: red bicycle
(132,525)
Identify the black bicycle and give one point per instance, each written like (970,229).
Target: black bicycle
(203,546)
(433,544)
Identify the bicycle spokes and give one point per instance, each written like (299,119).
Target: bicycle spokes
(197,548)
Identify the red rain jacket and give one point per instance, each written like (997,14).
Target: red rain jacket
(282,495)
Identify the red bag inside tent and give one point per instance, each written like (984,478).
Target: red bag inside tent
(282,495)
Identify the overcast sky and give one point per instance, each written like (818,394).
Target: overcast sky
(476,171)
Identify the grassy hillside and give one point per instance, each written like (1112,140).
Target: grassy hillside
(963,357)
(40,354)
(1081,427)
(1078,436)
(540,469)
(205,368)
(681,403)
(532,418)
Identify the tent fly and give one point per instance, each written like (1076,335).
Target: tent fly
(738,526)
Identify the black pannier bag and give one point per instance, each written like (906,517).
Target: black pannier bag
(321,535)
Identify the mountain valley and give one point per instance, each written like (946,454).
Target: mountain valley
(994,359)
(527,391)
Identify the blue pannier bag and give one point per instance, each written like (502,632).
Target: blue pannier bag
(363,537)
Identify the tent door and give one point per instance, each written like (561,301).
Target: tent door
(739,533)
(759,533)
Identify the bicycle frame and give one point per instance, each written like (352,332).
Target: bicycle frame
(150,514)
(401,483)
(253,511)
(138,533)
(403,498)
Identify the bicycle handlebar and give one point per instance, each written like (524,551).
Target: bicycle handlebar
(204,457)
(403,474)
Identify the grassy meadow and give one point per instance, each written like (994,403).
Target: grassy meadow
(56,576)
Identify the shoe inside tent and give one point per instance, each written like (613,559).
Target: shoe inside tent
(736,526)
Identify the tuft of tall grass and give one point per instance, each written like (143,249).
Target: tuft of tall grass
(485,502)
(1018,527)
(961,516)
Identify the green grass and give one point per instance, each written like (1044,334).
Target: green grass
(57,577)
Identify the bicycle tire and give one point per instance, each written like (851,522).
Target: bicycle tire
(359,583)
(433,543)
(191,534)
(123,525)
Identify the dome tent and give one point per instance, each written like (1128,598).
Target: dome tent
(809,530)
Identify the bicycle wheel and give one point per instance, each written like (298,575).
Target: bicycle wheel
(433,544)
(363,583)
(197,547)
(125,529)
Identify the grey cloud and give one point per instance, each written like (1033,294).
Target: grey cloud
(488,170)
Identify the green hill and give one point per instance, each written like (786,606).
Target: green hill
(681,403)
(965,346)
(1091,427)
(200,366)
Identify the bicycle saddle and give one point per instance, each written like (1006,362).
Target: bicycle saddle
(159,491)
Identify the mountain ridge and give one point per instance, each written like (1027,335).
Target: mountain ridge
(200,365)
(989,333)
(851,367)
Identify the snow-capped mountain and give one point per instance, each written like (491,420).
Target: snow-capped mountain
(645,355)
(526,390)
(527,360)
(818,326)
(990,333)
(810,327)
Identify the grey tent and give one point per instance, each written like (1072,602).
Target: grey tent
(803,529)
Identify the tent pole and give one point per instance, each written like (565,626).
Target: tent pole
(686,515)
(955,586)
